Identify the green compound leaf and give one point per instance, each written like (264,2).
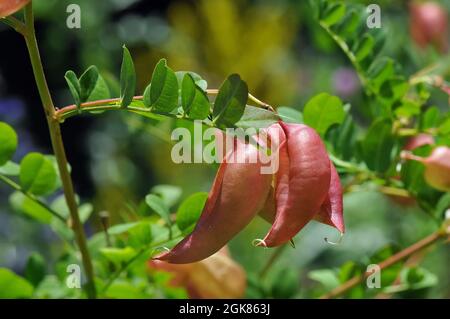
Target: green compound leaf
(190,211)
(378,144)
(74,87)
(231,101)
(193,99)
(14,286)
(322,111)
(37,174)
(8,143)
(157,204)
(127,79)
(162,94)
(88,81)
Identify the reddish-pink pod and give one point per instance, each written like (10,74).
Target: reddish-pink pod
(437,167)
(418,141)
(238,194)
(302,183)
(217,276)
(8,7)
(429,24)
(331,212)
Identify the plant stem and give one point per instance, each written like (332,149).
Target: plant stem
(122,269)
(388,190)
(276,254)
(14,23)
(58,148)
(114,104)
(126,265)
(250,97)
(418,246)
(17,187)
(344,47)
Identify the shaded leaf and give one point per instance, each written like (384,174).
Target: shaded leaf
(230,102)
(127,79)
(194,100)
(164,88)
(35,269)
(378,144)
(74,86)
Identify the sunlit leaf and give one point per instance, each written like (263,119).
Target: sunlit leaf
(322,111)
(190,210)
(30,208)
(256,117)
(8,143)
(37,174)
(158,206)
(14,286)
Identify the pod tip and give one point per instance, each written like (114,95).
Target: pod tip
(341,235)
(161,256)
(259,243)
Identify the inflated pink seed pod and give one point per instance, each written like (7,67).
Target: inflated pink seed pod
(418,141)
(437,167)
(332,212)
(238,194)
(429,24)
(302,183)
(8,7)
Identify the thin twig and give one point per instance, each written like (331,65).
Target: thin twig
(15,23)
(17,187)
(58,147)
(418,246)
(113,104)
(344,47)
(126,265)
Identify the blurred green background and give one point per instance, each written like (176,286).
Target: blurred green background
(285,58)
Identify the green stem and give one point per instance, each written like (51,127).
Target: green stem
(122,269)
(392,260)
(344,47)
(114,104)
(271,261)
(17,187)
(14,23)
(58,148)
(126,265)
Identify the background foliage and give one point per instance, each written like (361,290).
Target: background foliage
(288,52)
